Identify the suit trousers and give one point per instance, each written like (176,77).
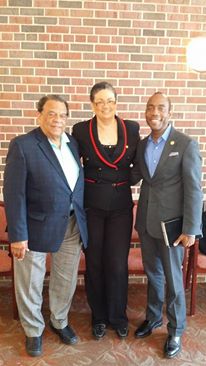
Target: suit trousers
(107,265)
(162,265)
(29,277)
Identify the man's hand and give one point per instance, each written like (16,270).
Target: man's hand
(185,240)
(19,248)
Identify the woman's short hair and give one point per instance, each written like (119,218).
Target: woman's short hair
(100,86)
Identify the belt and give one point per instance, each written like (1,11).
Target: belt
(71,212)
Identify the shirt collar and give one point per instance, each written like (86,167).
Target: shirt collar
(64,140)
(164,136)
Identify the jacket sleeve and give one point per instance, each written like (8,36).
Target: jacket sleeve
(135,174)
(14,191)
(193,197)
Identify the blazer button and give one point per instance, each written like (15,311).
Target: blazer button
(99,169)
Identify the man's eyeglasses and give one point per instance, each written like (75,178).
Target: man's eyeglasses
(53,115)
(102,103)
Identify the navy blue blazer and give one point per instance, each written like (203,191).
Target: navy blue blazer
(36,193)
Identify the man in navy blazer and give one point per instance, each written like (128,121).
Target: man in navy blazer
(169,164)
(43,193)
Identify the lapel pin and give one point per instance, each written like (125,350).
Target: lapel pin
(127,146)
(172,142)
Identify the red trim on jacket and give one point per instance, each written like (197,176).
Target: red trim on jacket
(88,180)
(114,166)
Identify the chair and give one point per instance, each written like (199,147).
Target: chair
(6,260)
(135,265)
(196,264)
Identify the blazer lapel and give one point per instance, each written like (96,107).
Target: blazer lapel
(74,151)
(98,143)
(120,144)
(144,167)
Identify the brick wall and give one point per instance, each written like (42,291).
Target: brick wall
(64,47)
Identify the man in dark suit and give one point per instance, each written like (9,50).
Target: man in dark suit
(43,193)
(170,165)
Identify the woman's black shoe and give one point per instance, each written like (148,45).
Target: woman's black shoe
(122,332)
(99,330)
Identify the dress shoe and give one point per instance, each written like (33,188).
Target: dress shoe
(66,334)
(34,346)
(122,332)
(172,346)
(99,330)
(146,328)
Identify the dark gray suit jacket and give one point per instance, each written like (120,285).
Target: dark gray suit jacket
(36,193)
(174,189)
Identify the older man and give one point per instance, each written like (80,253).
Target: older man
(43,193)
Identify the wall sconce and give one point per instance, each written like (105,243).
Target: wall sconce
(196,54)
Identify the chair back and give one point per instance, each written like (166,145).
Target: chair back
(5,259)
(3,225)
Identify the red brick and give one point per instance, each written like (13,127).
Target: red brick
(69,21)
(57,13)
(57,46)
(7,37)
(9,28)
(67,72)
(94,56)
(106,14)
(78,13)
(10,45)
(33,63)
(52,3)
(81,30)
(21,88)
(118,57)
(106,48)
(22,105)
(95,5)
(20,20)
(33,80)
(5,104)
(47,72)
(60,29)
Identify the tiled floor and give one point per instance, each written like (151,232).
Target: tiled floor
(110,350)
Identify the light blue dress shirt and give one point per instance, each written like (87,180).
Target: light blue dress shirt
(154,150)
(66,160)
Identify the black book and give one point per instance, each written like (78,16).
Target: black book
(171,230)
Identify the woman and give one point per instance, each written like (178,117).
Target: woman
(107,145)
